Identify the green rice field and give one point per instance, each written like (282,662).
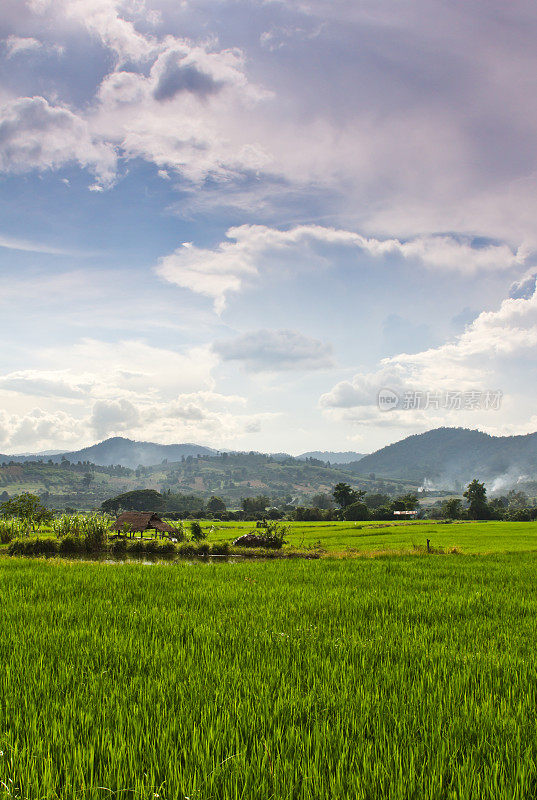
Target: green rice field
(392,677)
(349,538)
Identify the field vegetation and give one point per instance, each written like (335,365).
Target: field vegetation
(393,678)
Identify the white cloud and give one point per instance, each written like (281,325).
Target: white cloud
(477,360)
(274,351)
(131,370)
(235,263)
(103,19)
(20,44)
(182,115)
(135,370)
(420,146)
(42,383)
(38,429)
(112,416)
(28,246)
(37,135)
(130,387)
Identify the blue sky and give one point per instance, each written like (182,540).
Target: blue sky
(234,222)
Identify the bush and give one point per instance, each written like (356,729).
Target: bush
(220,549)
(71,545)
(356,511)
(33,547)
(118,547)
(67,525)
(151,548)
(167,549)
(95,530)
(178,531)
(519,515)
(136,547)
(5,535)
(196,532)
(190,550)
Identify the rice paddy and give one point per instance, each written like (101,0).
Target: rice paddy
(409,677)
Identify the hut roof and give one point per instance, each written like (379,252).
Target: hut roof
(142,521)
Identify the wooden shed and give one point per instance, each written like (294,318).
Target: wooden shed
(141,521)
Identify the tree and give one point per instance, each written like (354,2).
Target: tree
(344,495)
(476,495)
(138,500)
(322,500)
(452,508)
(376,500)
(184,503)
(87,479)
(356,511)
(216,504)
(255,504)
(27,507)
(517,500)
(406,502)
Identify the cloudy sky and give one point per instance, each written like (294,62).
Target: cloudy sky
(234,222)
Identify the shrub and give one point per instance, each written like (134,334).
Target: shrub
(196,532)
(166,549)
(186,550)
(33,547)
(190,550)
(95,530)
(151,547)
(220,549)
(179,531)
(118,547)
(136,547)
(70,545)
(356,511)
(519,515)
(5,535)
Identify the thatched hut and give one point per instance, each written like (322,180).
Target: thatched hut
(141,521)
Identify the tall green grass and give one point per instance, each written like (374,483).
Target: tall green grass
(386,678)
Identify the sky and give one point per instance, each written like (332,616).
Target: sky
(266,225)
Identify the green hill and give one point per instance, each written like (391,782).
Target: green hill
(232,476)
(453,456)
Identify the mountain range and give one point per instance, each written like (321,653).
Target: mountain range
(440,458)
(128,453)
(450,457)
(119,450)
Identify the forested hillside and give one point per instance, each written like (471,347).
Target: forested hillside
(83,485)
(453,456)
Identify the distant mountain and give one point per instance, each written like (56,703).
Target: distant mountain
(118,450)
(333,457)
(129,453)
(74,483)
(133,454)
(447,457)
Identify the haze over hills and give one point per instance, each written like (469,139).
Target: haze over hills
(129,453)
(443,458)
(450,457)
(345,457)
(119,450)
